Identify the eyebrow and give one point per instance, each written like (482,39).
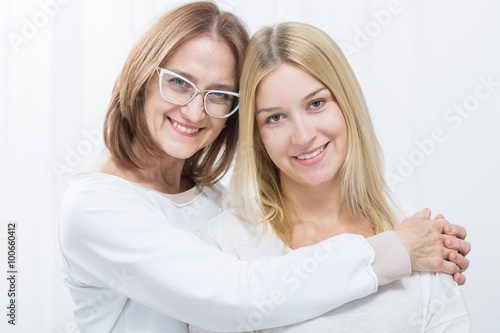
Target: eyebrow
(272,109)
(212,86)
(314,93)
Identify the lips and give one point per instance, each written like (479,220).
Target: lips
(190,130)
(312,154)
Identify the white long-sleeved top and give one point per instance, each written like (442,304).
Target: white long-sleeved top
(422,302)
(132,263)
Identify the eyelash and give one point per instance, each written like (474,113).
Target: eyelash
(322,101)
(269,119)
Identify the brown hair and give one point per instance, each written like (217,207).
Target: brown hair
(125,119)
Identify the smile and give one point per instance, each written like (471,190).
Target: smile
(311,155)
(182,128)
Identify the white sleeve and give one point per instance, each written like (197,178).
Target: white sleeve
(173,272)
(445,307)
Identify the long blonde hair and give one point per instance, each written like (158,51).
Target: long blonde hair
(255,185)
(125,120)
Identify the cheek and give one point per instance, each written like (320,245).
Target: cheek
(339,128)
(272,143)
(218,125)
(154,119)
(342,137)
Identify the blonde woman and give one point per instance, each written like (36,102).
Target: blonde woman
(309,167)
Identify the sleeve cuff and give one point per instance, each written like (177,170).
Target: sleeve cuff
(392,261)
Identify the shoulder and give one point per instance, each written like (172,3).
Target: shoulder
(245,240)
(95,202)
(97,190)
(215,192)
(97,182)
(443,301)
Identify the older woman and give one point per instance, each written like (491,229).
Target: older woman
(128,225)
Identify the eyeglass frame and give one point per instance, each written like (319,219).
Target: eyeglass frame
(205,93)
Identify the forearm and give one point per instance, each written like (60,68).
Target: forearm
(392,261)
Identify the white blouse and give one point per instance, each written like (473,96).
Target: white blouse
(132,263)
(422,302)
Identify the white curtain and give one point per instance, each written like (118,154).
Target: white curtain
(429,69)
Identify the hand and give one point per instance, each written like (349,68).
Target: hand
(424,240)
(455,240)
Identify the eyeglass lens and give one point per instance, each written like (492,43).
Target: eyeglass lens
(180,91)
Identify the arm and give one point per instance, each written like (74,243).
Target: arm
(105,233)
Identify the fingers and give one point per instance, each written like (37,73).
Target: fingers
(439,217)
(457,244)
(456,230)
(459,260)
(449,267)
(423,214)
(440,224)
(459,278)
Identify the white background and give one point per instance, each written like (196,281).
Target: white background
(419,63)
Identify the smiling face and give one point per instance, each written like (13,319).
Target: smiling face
(301,126)
(182,130)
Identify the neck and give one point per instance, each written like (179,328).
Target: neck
(164,175)
(317,214)
(314,202)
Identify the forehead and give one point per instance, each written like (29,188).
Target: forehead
(204,59)
(285,84)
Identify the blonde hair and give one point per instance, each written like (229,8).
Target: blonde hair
(255,187)
(125,120)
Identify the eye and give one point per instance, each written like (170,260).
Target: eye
(274,118)
(316,104)
(220,97)
(178,84)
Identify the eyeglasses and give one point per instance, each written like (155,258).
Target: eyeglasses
(178,90)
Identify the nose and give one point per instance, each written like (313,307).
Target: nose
(303,131)
(194,110)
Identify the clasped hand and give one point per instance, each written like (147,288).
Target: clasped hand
(435,245)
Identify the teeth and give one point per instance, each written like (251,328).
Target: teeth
(311,155)
(184,129)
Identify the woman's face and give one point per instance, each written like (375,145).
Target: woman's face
(182,130)
(302,127)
